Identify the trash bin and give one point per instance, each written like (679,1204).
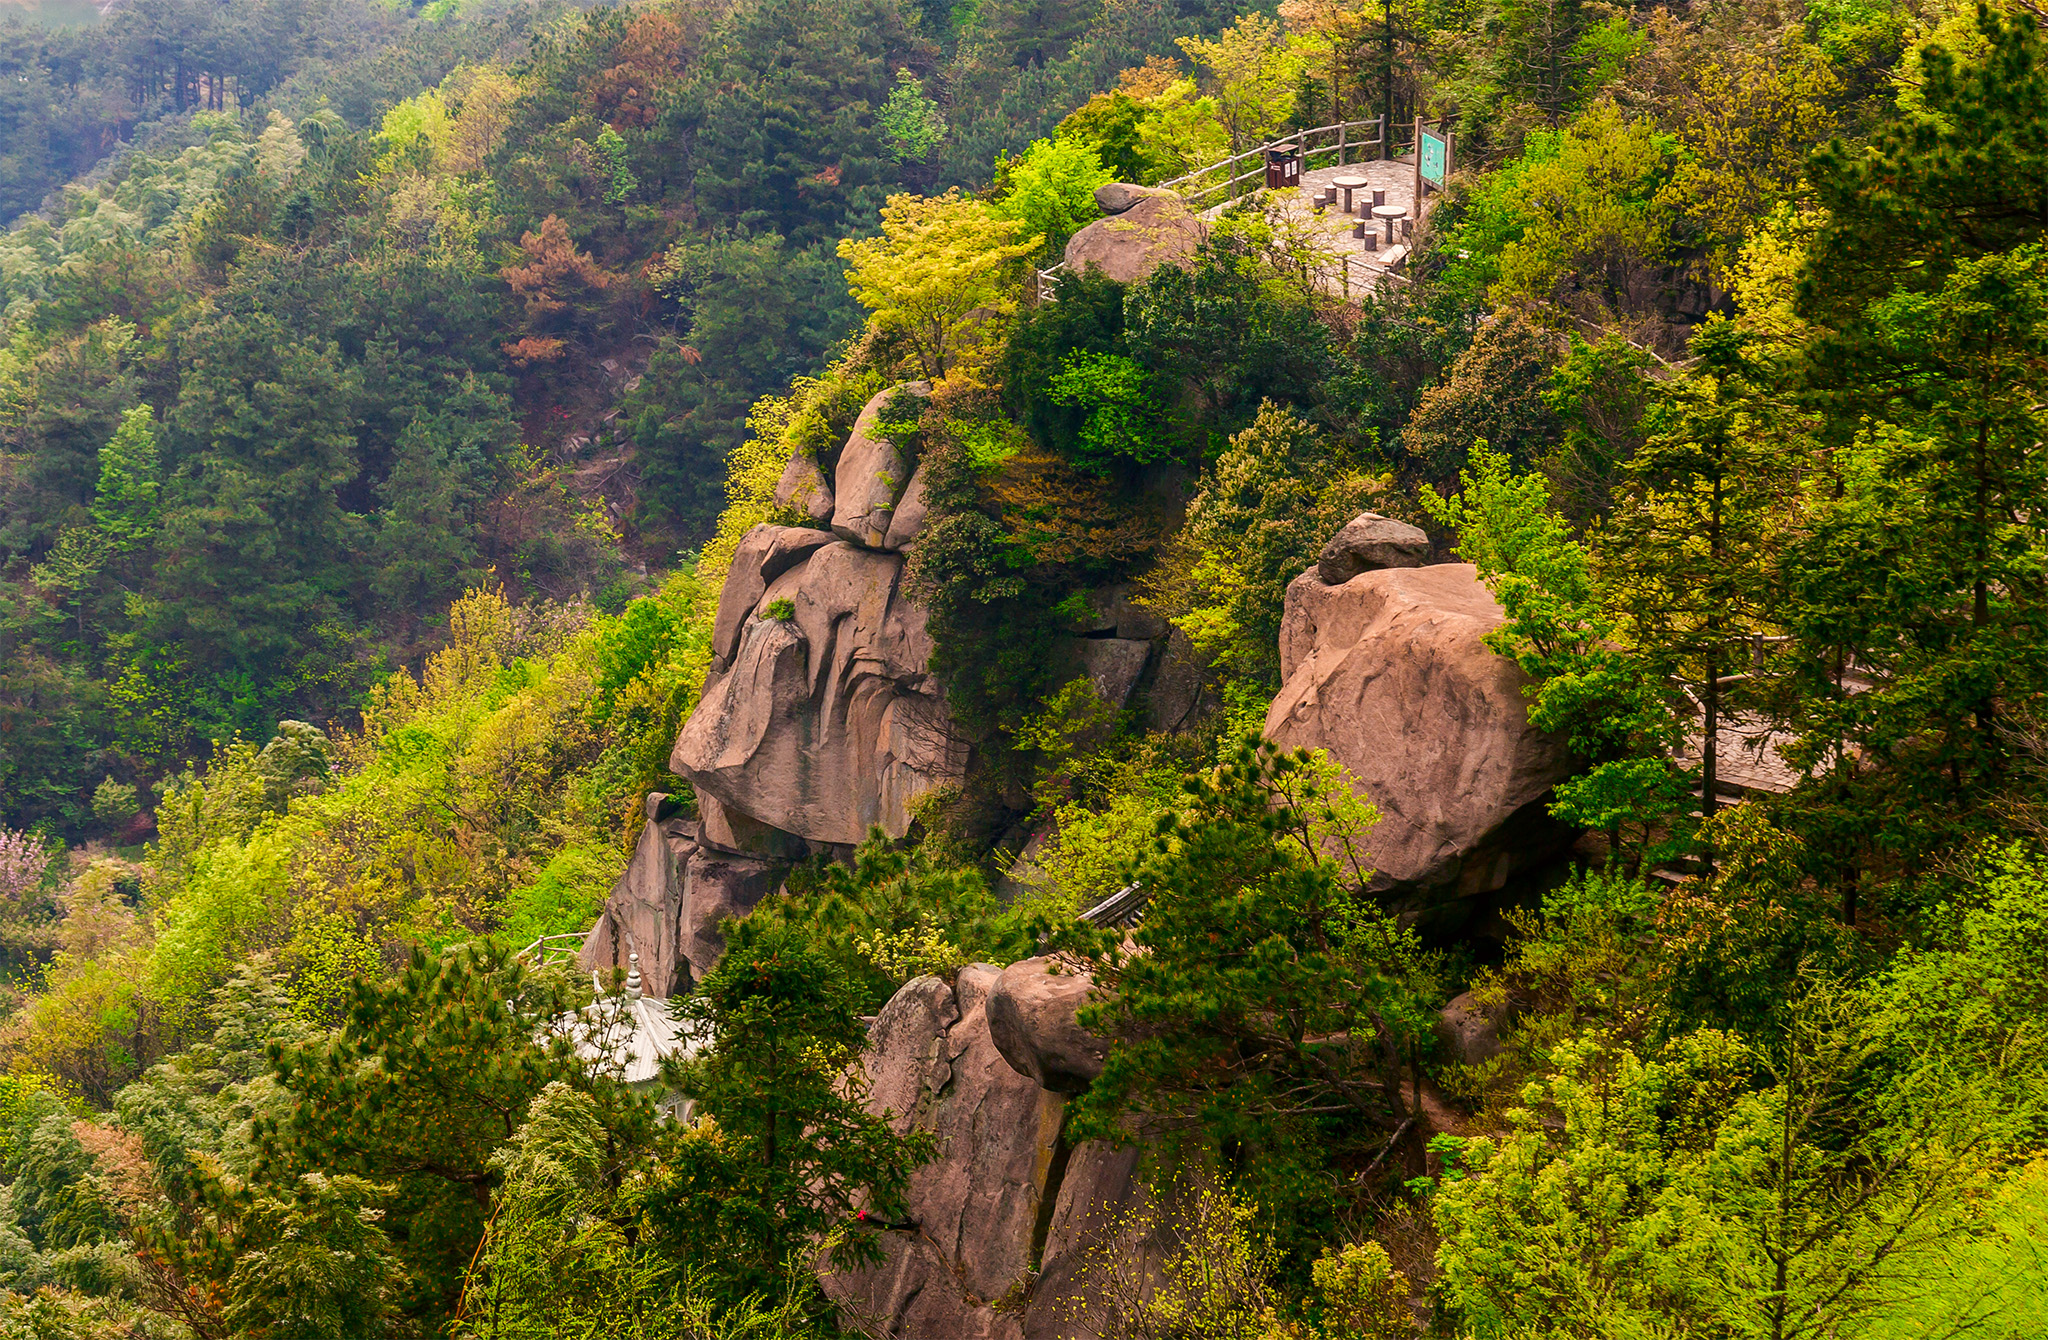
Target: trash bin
(1283,168)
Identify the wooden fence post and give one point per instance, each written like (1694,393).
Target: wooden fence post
(1418,163)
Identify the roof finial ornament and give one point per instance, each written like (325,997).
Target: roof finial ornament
(632,977)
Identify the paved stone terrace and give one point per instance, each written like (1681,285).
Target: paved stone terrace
(1395,177)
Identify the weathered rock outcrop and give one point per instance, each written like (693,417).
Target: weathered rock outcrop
(643,913)
(826,722)
(1032,1017)
(1388,672)
(871,474)
(764,553)
(668,905)
(1008,1212)
(1114,665)
(804,486)
(1153,230)
(908,518)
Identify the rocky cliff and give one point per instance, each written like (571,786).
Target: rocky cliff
(821,719)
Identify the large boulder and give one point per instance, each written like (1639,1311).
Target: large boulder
(908,518)
(871,474)
(1117,196)
(804,486)
(1368,543)
(1032,1017)
(1390,673)
(1153,231)
(1470,1031)
(826,722)
(1010,1215)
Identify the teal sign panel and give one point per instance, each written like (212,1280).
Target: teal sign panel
(1434,155)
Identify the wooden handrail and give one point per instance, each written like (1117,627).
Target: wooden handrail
(1299,140)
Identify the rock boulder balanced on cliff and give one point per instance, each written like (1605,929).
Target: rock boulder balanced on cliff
(1148,228)
(1033,1018)
(1389,672)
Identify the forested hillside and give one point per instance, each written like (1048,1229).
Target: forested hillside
(410,417)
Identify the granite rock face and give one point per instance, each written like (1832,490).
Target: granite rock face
(826,722)
(668,905)
(764,553)
(908,518)
(1388,672)
(1154,230)
(1368,543)
(643,913)
(1114,665)
(718,886)
(1008,1212)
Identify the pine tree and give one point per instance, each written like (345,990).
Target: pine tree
(1266,1011)
(1685,556)
(429,1076)
(790,1155)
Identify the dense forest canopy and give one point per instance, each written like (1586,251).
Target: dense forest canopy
(385,393)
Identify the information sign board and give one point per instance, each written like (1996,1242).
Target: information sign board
(1432,158)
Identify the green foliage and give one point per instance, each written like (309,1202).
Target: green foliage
(1085,320)
(1615,716)
(896,912)
(1050,191)
(936,275)
(1577,214)
(1123,417)
(1758,1191)
(911,123)
(313,1263)
(1494,393)
(611,148)
(1265,1005)
(1109,124)
(1275,496)
(421,1085)
(560,1256)
(789,1151)
(1967,149)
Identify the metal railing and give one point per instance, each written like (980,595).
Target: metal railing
(1047,279)
(1124,908)
(1204,188)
